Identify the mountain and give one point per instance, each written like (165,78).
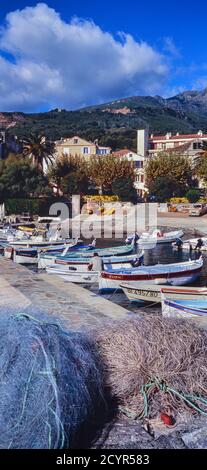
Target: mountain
(115,123)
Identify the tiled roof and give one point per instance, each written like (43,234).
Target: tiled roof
(178,137)
(122,152)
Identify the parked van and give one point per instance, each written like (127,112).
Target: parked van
(198,209)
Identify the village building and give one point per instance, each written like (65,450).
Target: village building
(77,146)
(190,145)
(139,162)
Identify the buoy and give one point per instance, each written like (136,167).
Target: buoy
(166,419)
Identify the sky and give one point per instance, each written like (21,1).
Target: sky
(73,53)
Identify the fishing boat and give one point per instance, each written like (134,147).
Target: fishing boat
(30,255)
(149,240)
(173,274)
(186,309)
(89,277)
(199,244)
(81,265)
(144,292)
(112,262)
(46,259)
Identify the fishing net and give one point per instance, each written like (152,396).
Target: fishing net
(49,383)
(154,365)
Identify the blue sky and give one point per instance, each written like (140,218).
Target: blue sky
(71,53)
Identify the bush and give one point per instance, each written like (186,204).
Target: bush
(33,206)
(203,200)
(17,206)
(193,195)
(178,200)
(99,198)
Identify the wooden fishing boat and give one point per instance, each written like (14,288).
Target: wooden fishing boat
(38,242)
(89,277)
(47,259)
(79,266)
(174,274)
(111,262)
(144,292)
(29,255)
(194,309)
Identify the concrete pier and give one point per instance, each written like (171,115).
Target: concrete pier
(21,288)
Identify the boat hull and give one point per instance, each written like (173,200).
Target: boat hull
(25,259)
(150,241)
(141,292)
(172,309)
(176,275)
(89,277)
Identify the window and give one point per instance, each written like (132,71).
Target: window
(75,141)
(66,150)
(138,164)
(197,145)
(85,150)
(142,178)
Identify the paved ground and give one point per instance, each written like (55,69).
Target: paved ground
(20,288)
(180,220)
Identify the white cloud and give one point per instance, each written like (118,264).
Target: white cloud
(55,63)
(169,46)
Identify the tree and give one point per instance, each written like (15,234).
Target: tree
(104,170)
(39,150)
(165,187)
(70,174)
(192,195)
(175,167)
(20,180)
(200,167)
(124,189)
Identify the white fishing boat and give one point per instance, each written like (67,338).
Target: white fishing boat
(199,244)
(194,309)
(144,292)
(174,274)
(79,266)
(37,241)
(111,262)
(89,277)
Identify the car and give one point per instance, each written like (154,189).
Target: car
(197,210)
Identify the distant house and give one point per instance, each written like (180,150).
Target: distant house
(186,144)
(78,146)
(139,162)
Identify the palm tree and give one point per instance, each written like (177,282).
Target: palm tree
(39,150)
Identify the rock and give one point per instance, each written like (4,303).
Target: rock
(196,439)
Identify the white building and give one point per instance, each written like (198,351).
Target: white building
(185,144)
